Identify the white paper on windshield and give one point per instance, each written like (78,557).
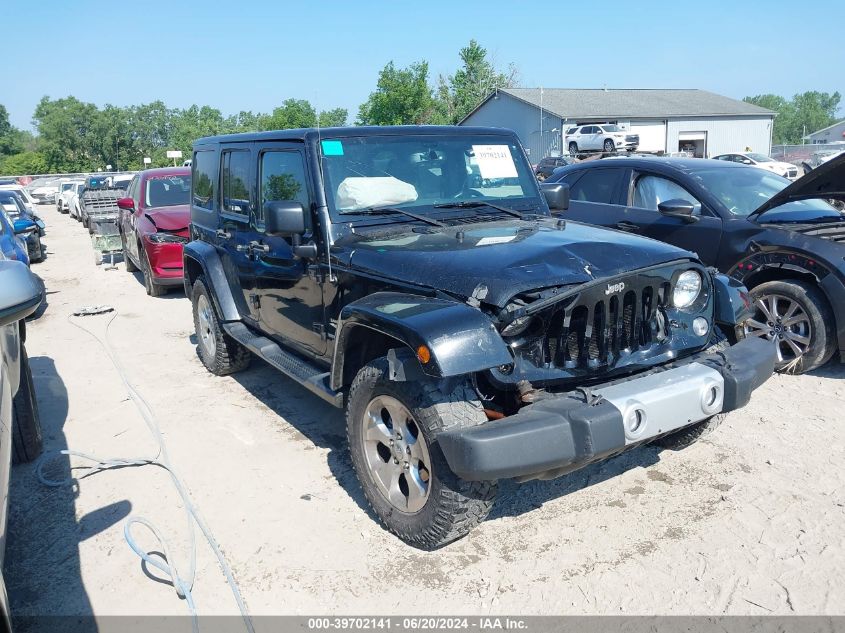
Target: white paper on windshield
(494,161)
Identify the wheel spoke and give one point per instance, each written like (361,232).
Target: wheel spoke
(798,351)
(757,325)
(778,348)
(793,306)
(417,452)
(394,493)
(376,430)
(417,489)
(798,338)
(798,318)
(384,472)
(764,308)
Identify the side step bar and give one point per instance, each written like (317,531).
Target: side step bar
(292,366)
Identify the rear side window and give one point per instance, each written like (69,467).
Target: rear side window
(235,182)
(596,185)
(204,173)
(283,178)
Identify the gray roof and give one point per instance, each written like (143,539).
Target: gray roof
(638,103)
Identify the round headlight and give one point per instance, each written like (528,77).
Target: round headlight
(517,326)
(687,289)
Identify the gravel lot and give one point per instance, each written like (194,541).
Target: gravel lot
(748,521)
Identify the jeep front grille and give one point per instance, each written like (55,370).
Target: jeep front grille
(596,332)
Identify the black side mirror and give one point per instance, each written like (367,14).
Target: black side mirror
(20,295)
(284,218)
(557,195)
(678,208)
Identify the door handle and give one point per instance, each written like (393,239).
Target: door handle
(627,226)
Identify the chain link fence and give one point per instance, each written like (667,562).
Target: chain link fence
(807,156)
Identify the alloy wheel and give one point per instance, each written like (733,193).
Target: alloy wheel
(206,332)
(396,453)
(785,323)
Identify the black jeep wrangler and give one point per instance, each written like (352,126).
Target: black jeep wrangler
(415,276)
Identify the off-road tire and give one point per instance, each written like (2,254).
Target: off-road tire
(690,434)
(153,289)
(229,355)
(127,260)
(26,422)
(813,302)
(454,506)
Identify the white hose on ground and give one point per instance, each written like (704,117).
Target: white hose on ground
(165,563)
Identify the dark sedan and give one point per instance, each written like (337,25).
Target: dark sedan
(781,239)
(547,165)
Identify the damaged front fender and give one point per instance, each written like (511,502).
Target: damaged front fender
(460,339)
(733,305)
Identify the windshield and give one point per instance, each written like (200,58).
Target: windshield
(760,158)
(418,172)
(743,190)
(167,191)
(67,186)
(611,128)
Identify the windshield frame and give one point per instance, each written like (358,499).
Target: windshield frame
(525,174)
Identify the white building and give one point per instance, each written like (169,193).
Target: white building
(666,120)
(831,134)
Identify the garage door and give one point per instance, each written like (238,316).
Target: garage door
(652,135)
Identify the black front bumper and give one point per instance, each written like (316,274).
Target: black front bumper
(563,433)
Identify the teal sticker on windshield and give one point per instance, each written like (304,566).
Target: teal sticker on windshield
(332,148)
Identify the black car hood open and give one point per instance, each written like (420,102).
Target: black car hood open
(507,257)
(827,181)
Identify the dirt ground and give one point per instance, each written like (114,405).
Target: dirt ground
(749,521)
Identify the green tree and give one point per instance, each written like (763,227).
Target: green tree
(333,118)
(459,94)
(67,134)
(402,97)
(293,113)
(22,164)
(803,114)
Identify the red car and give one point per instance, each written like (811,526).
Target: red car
(153,222)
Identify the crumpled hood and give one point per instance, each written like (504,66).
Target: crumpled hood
(825,181)
(507,257)
(170,219)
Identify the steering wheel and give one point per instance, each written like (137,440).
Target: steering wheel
(469,193)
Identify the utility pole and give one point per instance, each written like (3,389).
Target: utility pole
(541,156)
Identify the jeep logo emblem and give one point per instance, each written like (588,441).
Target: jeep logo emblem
(613,288)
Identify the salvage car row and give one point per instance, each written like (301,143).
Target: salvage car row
(423,280)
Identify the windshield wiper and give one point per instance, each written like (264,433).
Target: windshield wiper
(397,210)
(474,204)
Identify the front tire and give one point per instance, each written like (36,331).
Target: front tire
(220,354)
(392,428)
(609,147)
(573,150)
(153,289)
(26,422)
(796,318)
(127,259)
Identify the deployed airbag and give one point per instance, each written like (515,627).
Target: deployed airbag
(360,193)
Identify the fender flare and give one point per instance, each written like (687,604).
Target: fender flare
(205,256)
(461,339)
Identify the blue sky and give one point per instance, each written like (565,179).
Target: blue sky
(252,55)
